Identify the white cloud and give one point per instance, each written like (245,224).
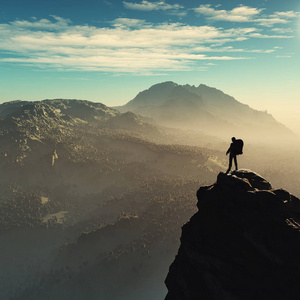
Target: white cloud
(282,30)
(232,49)
(148,6)
(245,11)
(269,22)
(43,23)
(286,14)
(245,14)
(238,14)
(128,45)
(126,22)
(266,36)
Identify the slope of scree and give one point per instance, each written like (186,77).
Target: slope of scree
(243,243)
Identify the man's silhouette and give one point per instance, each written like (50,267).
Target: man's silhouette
(232,156)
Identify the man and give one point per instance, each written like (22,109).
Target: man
(233,150)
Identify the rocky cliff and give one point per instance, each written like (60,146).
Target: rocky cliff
(243,243)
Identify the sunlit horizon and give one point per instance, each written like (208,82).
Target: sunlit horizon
(110,51)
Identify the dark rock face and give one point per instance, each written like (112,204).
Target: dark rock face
(243,243)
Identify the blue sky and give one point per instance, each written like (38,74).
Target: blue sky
(108,51)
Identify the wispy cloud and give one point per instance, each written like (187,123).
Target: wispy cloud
(282,30)
(170,9)
(238,14)
(269,22)
(244,13)
(286,14)
(283,56)
(126,46)
(125,22)
(148,6)
(267,36)
(42,24)
(232,49)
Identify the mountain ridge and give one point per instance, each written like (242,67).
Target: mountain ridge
(72,177)
(205,108)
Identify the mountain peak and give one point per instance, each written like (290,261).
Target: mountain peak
(164,84)
(191,107)
(154,96)
(244,238)
(203,85)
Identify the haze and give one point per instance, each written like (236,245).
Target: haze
(91,197)
(94,190)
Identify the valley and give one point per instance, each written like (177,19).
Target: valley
(94,197)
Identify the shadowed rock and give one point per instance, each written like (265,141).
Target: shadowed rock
(256,180)
(243,243)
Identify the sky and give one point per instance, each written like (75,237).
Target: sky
(109,50)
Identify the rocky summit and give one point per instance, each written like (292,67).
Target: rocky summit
(243,243)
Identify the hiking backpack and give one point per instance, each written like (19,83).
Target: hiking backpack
(238,145)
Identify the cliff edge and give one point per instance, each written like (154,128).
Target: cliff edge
(243,243)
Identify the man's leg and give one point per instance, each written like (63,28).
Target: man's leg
(230,163)
(235,162)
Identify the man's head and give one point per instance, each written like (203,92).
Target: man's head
(233,139)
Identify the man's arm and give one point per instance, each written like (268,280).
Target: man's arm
(228,149)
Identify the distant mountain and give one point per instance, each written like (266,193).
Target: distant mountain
(68,166)
(60,110)
(169,104)
(40,119)
(135,124)
(42,141)
(204,108)
(80,143)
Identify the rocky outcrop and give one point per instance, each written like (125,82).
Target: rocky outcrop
(243,243)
